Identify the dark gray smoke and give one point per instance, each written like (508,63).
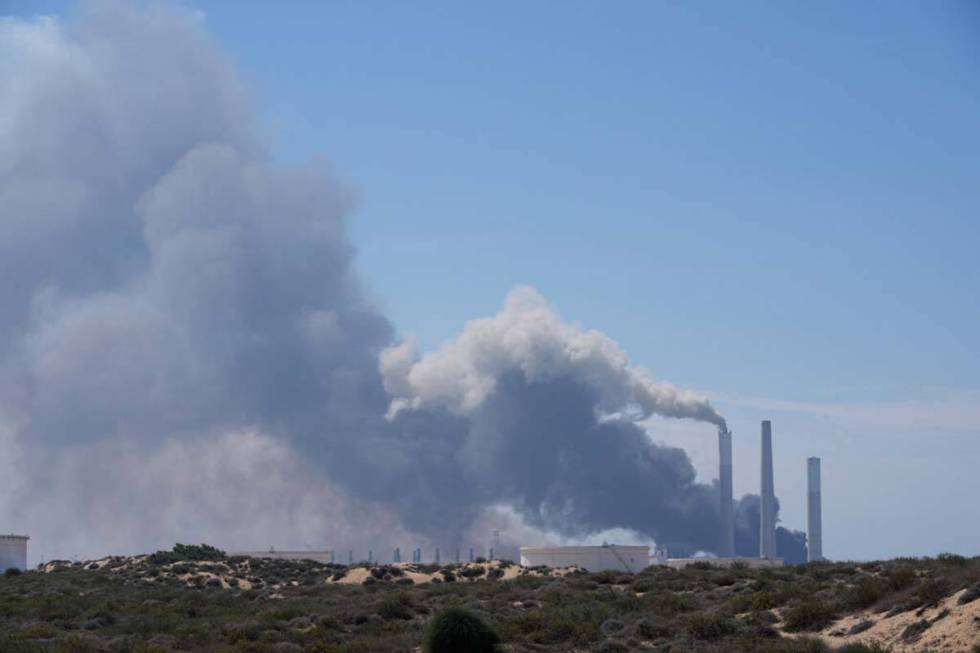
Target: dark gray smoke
(186,351)
(790,545)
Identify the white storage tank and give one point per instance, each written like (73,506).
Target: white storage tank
(608,557)
(13,552)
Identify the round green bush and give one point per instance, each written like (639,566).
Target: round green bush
(455,630)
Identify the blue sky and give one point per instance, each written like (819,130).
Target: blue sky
(774,203)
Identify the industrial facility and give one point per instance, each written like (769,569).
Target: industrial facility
(13,552)
(608,557)
(623,558)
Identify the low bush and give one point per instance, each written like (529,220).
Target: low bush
(901,578)
(862,648)
(864,594)
(913,630)
(952,559)
(455,630)
(860,627)
(471,572)
(931,591)
(397,606)
(711,626)
(970,595)
(187,552)
(809,615)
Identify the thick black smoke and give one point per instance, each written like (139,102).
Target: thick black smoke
(186,351)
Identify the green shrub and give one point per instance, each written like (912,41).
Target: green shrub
(862,648)
(864,594)
(187,552)
(455,630)
(648,629)
(970,595)
(915,629)
(901,578)
(952,559)
(860,627)
(711,626)
(471,572)
(397,606)
(12,571)
(932,591)
(809,615)
(670,602)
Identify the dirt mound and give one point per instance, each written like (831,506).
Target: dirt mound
(948,626)
(244,573)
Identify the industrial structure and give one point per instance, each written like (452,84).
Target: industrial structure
(767,505)
(628,558)
(325,557)
(726,543)
(814,526)
(13,552)
(608,557)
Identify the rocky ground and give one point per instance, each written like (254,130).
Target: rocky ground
(163,603)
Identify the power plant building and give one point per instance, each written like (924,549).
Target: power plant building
(636,558)
(814,525)
(13,552)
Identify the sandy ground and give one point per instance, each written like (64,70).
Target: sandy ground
(358,575)
(202,572)
(956,630)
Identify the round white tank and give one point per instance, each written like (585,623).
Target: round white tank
(13,552)
(593,558)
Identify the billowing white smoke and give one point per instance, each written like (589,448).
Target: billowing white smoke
(527,335)
(186,351)
(163,290)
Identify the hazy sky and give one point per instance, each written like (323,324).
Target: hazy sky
(774,203)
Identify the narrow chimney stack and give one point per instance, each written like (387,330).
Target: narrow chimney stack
(767,525)
(726,545)
(814,521)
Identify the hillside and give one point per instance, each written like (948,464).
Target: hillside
(161,603)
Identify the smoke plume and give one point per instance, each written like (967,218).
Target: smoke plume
(187,352)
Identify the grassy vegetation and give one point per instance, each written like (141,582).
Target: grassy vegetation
(193,599)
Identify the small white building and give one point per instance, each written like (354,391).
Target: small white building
(13,552)
(608,557)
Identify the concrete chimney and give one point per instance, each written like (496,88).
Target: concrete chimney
(814,525)
(726,543)
(767,525)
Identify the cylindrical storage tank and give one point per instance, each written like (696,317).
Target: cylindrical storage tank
(13,552)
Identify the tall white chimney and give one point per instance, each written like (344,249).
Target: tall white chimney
(726,543)
(767,525)
(814,521)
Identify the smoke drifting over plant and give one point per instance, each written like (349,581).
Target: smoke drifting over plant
(186,351)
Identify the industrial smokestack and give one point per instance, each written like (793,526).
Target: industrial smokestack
(814,521)
(767,521)
(726,543)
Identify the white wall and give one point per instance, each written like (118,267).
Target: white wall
(13,552)
(594,558)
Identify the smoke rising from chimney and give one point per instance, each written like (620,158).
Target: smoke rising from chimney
(182,325)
